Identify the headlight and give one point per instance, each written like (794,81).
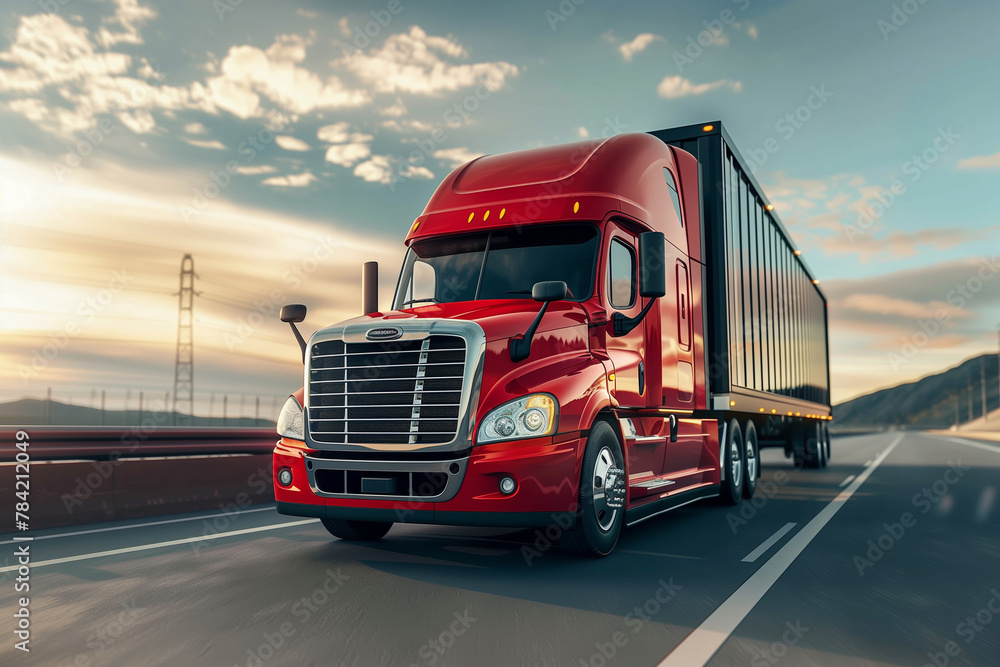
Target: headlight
(529,417)
(290,420)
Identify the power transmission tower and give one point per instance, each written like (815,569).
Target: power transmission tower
(184,364)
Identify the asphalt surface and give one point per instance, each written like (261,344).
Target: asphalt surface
(871,573)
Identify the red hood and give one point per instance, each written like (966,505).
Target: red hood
(499,318)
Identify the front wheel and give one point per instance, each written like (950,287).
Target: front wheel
(601,511)
(357,531)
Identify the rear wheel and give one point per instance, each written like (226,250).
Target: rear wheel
(601,512)
(826,442)
(752,458)
(732,461)
(361,531)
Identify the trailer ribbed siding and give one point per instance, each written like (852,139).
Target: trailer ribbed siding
(766,319)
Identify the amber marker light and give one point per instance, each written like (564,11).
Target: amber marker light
(708,128)
(503,212)
(486,216)
(770,207)
(798,252)
(732,403)
(815,281)
(471,216)
(576,207)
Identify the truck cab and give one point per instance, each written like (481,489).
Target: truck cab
(542,364)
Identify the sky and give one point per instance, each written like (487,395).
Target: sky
(284,144)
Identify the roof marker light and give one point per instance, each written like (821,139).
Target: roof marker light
(472,215)
(502,212)
(815,281)
(486,216)
(576,207)
(708,128)
(770,207)
(414,227)
(798,252)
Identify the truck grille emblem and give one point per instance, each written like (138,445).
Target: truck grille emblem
(384,333)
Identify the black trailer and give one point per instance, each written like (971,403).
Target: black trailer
(765,315)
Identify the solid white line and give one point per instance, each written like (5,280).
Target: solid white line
(148,523)
(699,646)
(157,545)
(868,463)
(768,543)
(847,481)
(978,445)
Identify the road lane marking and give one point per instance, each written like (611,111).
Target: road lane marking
(698,647)
(978,445)
(847,481)
(158,545)
(868,463)
(768,543)
(148,523)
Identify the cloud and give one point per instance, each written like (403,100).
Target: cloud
(345,26)
(334,134)
(248,72)
(673,87)
(411,171)
(639,44)
(252,170)
(395,110)
(752,31)
(129,15)
(456,156)
(980,162)
(212,143)
(291,143)
(407,124)
(347,154)
(417,63)
(305,13)
(582,132)
(291,181)
(376,170)
(195,128)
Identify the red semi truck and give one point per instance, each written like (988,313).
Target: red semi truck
(582,336)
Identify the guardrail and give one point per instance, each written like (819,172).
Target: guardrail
(82,475)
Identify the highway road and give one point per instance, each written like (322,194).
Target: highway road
(891,556)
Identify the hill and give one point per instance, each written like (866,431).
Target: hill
(930,402)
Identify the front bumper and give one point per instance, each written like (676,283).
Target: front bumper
(547,471)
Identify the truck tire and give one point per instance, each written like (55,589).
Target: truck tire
(821,444)
(357,531)
(598,526)
(751,457)
(733,458)
(826,442)
(809,449)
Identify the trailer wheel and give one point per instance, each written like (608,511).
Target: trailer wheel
(751,455)
(733,457)
(821,444)
(826,444)
(601,512)
(360,531)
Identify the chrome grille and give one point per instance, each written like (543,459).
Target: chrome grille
(393,392)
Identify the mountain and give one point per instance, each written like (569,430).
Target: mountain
(33,412)
(930,402)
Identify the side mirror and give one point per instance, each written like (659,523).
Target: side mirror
(652,279)
(545,291)
(652,265)
(549,290)
(293,313)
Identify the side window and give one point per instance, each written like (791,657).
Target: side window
(674,197)
(621,262)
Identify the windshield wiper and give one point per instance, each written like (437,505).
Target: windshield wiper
(428,299)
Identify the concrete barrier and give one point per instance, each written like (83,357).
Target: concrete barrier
(83,475)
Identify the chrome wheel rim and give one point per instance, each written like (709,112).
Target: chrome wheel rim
(751,462)
(604,514)
(735,463)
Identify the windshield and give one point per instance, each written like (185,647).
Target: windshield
(500,264)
